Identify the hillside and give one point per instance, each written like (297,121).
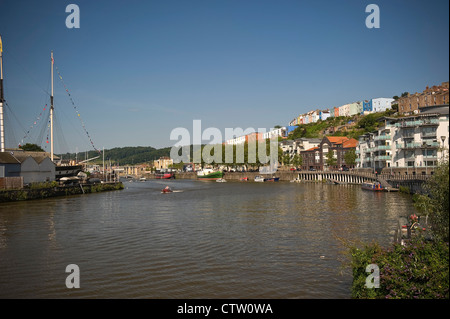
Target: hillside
(122,155)
(352,126)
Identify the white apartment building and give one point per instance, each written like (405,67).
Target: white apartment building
(417,141)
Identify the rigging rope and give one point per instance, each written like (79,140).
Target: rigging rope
(76,110)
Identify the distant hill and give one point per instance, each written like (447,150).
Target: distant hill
(122,155)
(352,127)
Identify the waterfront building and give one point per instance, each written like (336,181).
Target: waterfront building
(431,96)
(295,147)
(316,156)
(163,163)
(34,167)
(411,142)
(9,165)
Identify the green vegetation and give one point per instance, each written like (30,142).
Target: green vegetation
(350,157)
(352,126)
(331,160)
(435,204)
(31,147)
(122,155)
(420,267)
(233,155)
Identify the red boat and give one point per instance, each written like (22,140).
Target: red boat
(164,175)
(372,186)
(166,190)
(243,179)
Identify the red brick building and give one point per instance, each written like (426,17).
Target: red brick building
(431,96)
(316,157)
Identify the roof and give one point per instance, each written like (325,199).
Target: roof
(21,155)
(7,158)
(350,143)
(337,139)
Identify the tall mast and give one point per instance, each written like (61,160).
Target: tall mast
(51,114)
(2,127)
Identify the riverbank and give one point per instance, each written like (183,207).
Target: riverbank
(12,195)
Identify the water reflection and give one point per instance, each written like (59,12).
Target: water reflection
(212,240)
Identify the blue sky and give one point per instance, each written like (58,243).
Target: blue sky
(138,69)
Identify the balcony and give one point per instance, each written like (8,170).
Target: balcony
(428,134)
(383,147)
(409,146)
(382,137)
(383,158)
(416,123)
(430,145)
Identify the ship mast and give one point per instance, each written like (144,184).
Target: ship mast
(51,113)
(2,127)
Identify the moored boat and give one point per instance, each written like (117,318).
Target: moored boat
(221,180)
(243,179)
(164,175)
(259,178)
(372,186)
(209,174)
(272,179)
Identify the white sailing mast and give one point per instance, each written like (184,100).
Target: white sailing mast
(51,113)
(2,127)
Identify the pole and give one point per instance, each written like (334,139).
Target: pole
(103,163)
(2,127)
(51,112)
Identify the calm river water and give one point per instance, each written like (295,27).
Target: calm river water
(210,240)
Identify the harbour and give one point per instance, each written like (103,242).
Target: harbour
(274,240)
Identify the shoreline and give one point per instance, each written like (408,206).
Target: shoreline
(15,195)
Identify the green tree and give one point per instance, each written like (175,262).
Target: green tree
(297,160)
(436,203)
(31,147)
(350,157)
(331,161)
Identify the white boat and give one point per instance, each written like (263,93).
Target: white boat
(259,179)
(221,180)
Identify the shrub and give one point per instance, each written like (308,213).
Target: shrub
(418,269)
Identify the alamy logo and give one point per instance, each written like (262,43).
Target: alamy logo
(73,280)
(373,19)
(248,150)
(73,19)
(373,280)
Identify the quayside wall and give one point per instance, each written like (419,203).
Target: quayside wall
(11,195)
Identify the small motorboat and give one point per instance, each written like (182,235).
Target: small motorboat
(221,180)
(166,190)
(259,179)
(272,179)
(372,186)
(243,179)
